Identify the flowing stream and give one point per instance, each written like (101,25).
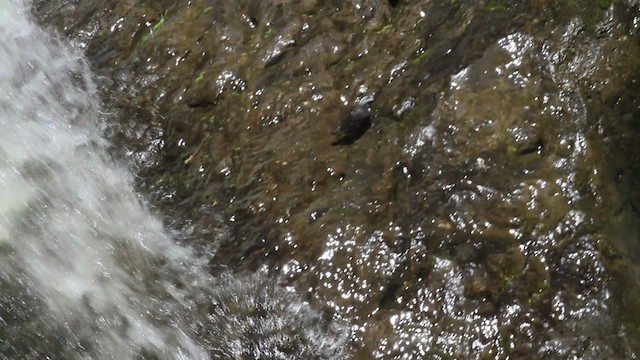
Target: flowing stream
(489,212)
(86,271)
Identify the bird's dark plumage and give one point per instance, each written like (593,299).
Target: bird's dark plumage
(353,123)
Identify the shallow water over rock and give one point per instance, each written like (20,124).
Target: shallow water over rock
(86,270)
(489,211)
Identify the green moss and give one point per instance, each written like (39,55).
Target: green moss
(339,209)
(157,25)
(604,4)
(385,28)
(419,57)
(269,32)
(495,5)
(200,76)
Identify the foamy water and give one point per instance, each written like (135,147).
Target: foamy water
(107,280)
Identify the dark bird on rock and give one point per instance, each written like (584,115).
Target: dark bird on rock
(354,122)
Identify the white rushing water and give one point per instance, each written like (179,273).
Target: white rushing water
(86,270)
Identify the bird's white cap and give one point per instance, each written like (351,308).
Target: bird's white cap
(366,100)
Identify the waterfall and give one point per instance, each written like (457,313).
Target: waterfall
(85,270)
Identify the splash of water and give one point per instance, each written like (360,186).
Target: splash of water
(79,249)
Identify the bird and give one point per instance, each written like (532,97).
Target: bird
(354,122)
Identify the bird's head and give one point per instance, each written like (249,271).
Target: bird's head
(366,100)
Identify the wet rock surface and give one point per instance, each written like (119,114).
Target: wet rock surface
(490,211)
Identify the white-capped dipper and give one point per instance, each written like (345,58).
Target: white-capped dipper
(354,122)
